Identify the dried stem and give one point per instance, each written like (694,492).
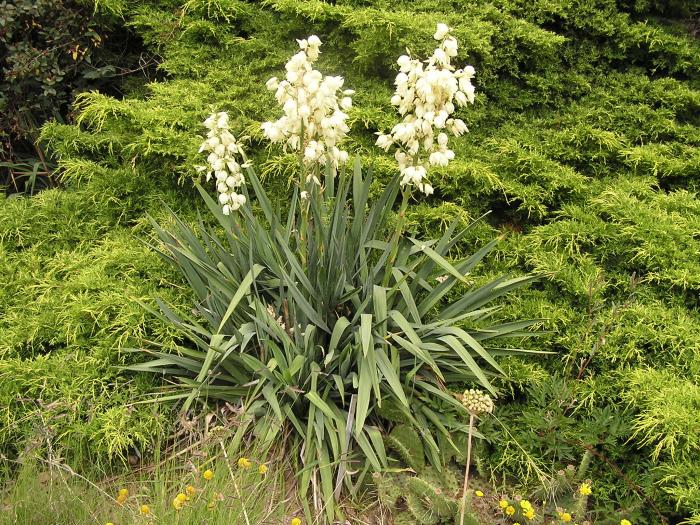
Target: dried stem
(466,470)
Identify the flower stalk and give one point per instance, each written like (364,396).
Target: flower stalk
(465,486)
(477,403)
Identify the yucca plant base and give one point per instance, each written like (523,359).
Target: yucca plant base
(316,324)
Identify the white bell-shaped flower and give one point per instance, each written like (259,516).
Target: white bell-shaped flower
(313,120)
(426,96)
(223,163)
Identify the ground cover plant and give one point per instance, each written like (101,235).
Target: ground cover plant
(583,145)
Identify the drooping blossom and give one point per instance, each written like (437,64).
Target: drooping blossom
(426,95)
(224,162)
(313,105)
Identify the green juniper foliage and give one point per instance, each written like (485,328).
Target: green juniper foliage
(583,143)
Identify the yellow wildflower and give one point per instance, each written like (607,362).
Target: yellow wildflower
(503,504)
(179,501)
(109,523)
(510,510)
(525,504)
(122,495)
(585,489)
(479,494)
(295,521)
(244,463)
(625,522)
(262,469)
(144,509)
(529,514)
(208,474)
(565,516)
(190,490)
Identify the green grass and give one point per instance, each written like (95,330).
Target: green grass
(46,491)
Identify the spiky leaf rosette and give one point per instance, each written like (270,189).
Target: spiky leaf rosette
(302,319)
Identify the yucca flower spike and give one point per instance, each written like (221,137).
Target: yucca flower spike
(224,162)
(427,93)
(314,108)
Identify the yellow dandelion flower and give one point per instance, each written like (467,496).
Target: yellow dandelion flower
(244,463)
(585,489)
(529,514)
(479,494)
(510,510)
(525,504)
(262,469)
(625,522)
(295,521)
(208,474)
(144,509)
(565,516)
(190,490)
(503,504)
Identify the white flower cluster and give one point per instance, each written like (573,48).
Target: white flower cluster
(477,402)
(223,161)
(426,94)
(313,104)
(278,318)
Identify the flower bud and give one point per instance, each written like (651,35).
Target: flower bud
(477,402)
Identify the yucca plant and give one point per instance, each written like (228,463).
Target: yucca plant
(317,320)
